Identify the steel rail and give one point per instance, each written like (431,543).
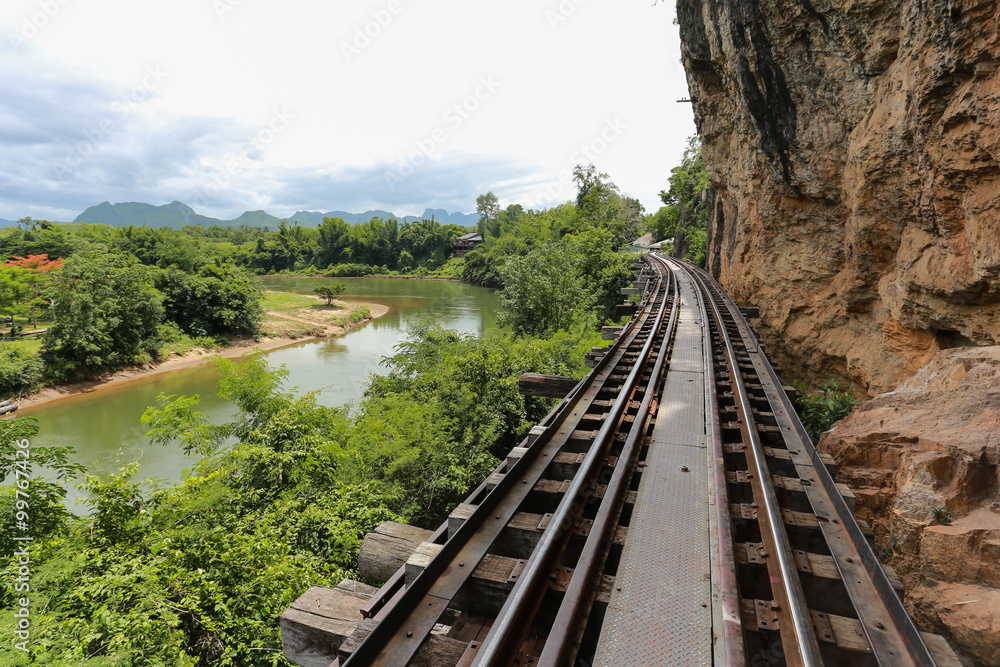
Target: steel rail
(726,611)
(889,630)
(432,591)
(806,644)
(570,622)
(504,638)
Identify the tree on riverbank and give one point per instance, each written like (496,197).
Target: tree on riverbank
(105,313)
(330,292)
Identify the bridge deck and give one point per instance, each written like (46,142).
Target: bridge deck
(660,611)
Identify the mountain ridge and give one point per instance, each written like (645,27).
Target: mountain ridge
(177,214)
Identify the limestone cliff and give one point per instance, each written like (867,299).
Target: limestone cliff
(854,146)
(924,463)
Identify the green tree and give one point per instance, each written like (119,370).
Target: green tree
(334,238)
(14,290)
(29,466)
(543,291)
(684,216)
(488,208)
(330,292)
(219,300)
(20,368)
(105,313)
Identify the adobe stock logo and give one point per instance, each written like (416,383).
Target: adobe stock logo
(231,166)
(33,24)
(370,31)
(454,117)
(122,108)
(562,12)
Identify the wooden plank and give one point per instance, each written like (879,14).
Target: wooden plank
(611,333)
(420,558)
(437,649)
(387,548)
(943,654)
(320,620)
(514,455)
(494,480)
(847,632)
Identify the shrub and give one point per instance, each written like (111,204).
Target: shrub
(20,367)
(348,270)
(820,410)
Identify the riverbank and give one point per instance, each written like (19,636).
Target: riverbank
(300,325)
(378,276)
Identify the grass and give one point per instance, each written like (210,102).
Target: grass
(33,344)
(286,301)
(176,341)
(359,312)
(186,343)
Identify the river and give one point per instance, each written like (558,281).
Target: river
(103,425)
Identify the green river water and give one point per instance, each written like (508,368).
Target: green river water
(103,425)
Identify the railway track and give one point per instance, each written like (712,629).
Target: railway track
(670,510)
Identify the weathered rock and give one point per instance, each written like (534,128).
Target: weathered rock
(924,462)
(854,146)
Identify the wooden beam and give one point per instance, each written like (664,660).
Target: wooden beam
(316,624)
(536,384)
(387,549)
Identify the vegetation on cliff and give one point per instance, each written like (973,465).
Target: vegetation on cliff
(684,215)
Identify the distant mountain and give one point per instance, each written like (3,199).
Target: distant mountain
(254,219)
(174,215)
(439,214)
(7,223)
(178,214)
(349,218)
(442,216)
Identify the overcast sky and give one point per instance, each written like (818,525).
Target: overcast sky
(234,105)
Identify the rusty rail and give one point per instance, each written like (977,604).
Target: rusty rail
(429,595)
(891,635)
(764,521)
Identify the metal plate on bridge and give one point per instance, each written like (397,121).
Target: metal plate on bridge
(660,610)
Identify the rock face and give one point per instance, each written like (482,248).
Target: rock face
(924,464)
(854,146)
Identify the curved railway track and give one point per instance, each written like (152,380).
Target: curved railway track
(670,510)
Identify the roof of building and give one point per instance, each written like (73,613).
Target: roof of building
(474,236)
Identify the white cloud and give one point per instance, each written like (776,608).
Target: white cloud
(411,102)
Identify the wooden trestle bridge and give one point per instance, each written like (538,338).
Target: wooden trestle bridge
(671,510)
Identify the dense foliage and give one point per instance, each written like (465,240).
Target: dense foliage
(684,216)
(103,308)
(215,300)
(105,312)
(198,573)
(20,367)
(601,215)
